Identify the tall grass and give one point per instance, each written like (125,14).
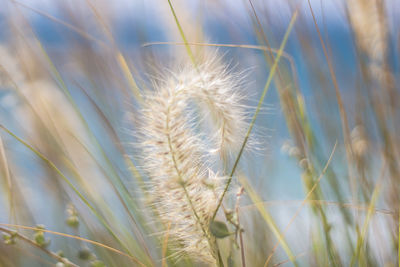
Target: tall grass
(199,133)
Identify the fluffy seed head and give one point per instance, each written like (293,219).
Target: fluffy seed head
(369,28)
(217,91)
(183,188)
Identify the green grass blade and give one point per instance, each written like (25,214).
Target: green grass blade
(69,183)
(188,50)
(268,218)
(260,102)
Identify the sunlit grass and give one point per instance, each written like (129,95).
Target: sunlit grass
(73,113)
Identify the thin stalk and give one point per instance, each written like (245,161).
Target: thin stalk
(212,244)
(268,219)
(189,51)
(245,46)
(34,244)
(80,195)
(260,102)
(118,55)
(164,247)
(303,202)
(371,207)
(242,254)
(7,174)
(343,116)
(270,58)
(128,205)
(85,124)
(74,237)
(89,131)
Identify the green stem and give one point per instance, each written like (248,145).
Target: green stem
(260,102)
(34,244)
(182,183)
(189,51)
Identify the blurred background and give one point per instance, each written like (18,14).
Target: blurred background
(325,170)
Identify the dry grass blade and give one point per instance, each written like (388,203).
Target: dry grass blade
(134,120)
(6,170)
(32,243)
(260,102)
(268,219)
(165,246)
(303,203)
(244,46)
(343,115)
(322,202)
(128,74)
(237,209)
(80,195)
(61,22)
(118,55)
(286,261)
(371,207)
(75,237)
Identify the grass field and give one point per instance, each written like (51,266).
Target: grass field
(199,133)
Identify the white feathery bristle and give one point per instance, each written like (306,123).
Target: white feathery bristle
(217,90)
(183,189)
